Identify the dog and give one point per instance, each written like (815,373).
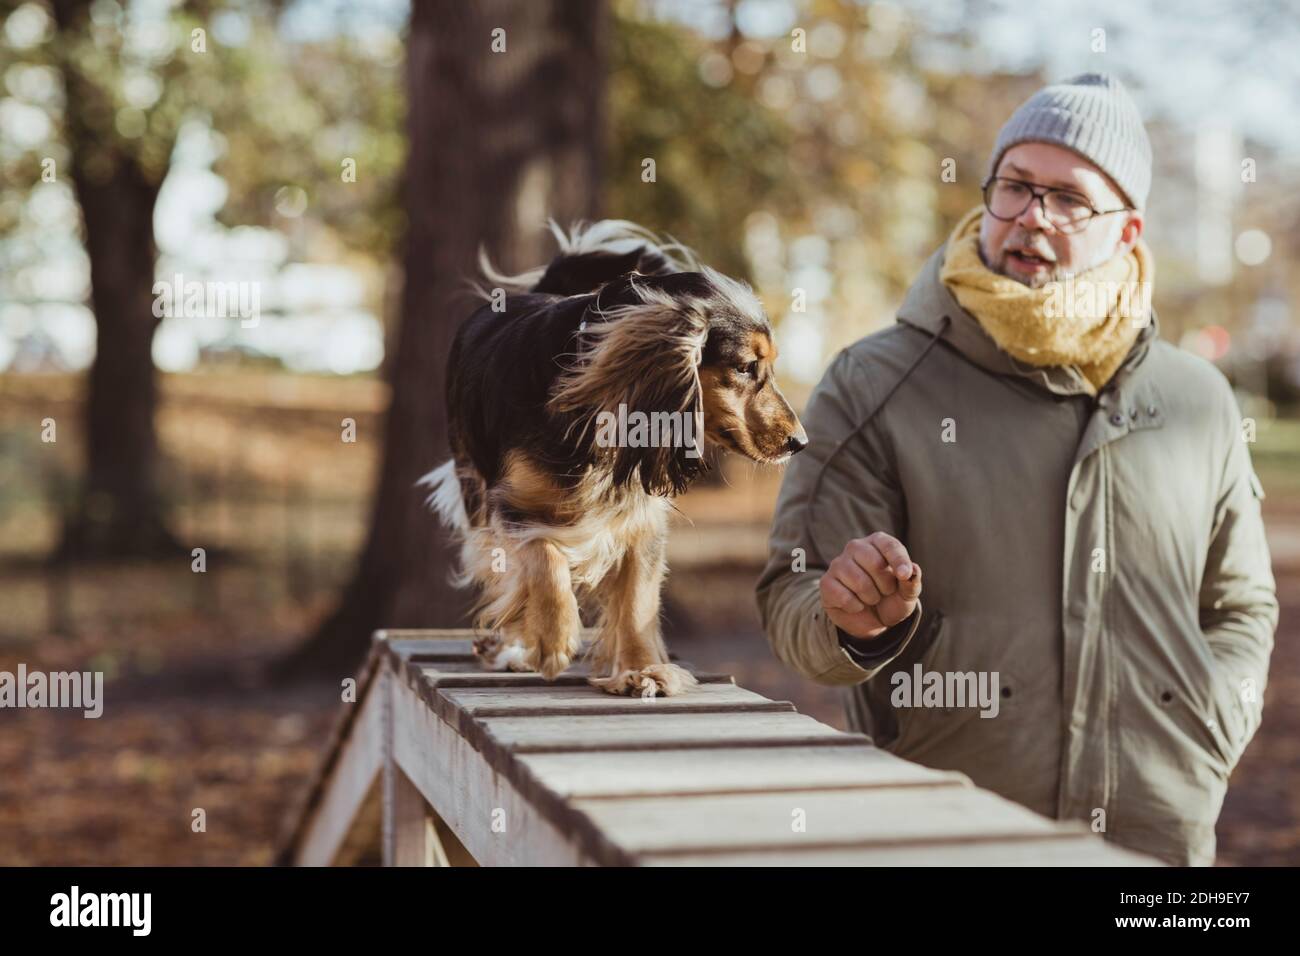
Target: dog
(578,400)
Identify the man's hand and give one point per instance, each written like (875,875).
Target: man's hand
(871,586)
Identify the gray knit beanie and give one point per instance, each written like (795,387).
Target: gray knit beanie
(1093,115)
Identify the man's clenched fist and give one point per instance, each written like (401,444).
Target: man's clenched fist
(871,586)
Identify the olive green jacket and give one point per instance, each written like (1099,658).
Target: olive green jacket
(1103,557)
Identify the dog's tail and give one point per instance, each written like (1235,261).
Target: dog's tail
(445,496)
(446,499)
(592,254)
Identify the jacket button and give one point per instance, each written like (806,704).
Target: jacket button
(1152,411)
(1117,419)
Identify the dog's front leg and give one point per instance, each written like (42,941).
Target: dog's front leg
(630,656)
(552,627)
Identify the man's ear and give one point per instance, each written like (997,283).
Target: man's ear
(1132,231)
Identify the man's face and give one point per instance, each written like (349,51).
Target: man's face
(1029,248)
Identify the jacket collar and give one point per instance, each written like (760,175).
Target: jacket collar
(929,300)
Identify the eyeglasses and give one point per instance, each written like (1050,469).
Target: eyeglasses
(1067,211)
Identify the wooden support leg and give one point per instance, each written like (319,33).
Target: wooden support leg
(417,836)
(410,837)
(413,833)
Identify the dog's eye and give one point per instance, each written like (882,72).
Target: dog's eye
(750,369)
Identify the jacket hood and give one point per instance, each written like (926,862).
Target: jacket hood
(929,300)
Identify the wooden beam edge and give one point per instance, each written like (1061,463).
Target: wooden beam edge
(298,815)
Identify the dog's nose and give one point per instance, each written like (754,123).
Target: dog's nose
(796,443)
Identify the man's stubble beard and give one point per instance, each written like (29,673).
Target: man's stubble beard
(1056,273)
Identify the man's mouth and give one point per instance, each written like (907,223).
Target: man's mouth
(1028,260)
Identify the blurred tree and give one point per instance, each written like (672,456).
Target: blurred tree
(123,80)
(719,152)
(118,150)
(505,121)
(305,114)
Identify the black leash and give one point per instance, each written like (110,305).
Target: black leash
(812,494)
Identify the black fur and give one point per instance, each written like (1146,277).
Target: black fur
(504,366)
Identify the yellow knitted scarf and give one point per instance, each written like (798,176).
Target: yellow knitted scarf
(1090,319)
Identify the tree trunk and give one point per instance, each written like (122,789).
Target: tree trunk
(498,141)
(119,512)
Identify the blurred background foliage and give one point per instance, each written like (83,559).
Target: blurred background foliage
(817,168)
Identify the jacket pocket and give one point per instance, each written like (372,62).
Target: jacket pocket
(950,695)
(1217,707)
(1228,717)
(1203,725)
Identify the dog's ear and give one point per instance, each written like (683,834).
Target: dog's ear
(634,392)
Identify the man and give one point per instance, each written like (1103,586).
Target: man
(1077,491)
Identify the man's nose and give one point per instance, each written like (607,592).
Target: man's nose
(1033,218)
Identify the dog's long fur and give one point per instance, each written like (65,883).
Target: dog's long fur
(546,512)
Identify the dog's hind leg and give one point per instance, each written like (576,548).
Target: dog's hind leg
(503,596)
(630,656)
(552,628)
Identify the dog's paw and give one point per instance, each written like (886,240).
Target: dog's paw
(498,653)
(550,663)
(656,680)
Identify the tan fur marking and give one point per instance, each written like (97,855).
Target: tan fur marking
(526,487)
(551,624)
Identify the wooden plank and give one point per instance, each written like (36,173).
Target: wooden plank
(476,667)
(480,804)
(343,791)
(728,770)
(1052,851)
(455,669)
(392,634)
(472,665)
(829,818)
(458,650)
(410,839)
(580,669)
(457,675)
(571,700)
(649,728)
(449,644)
(304,809)
(434,677)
